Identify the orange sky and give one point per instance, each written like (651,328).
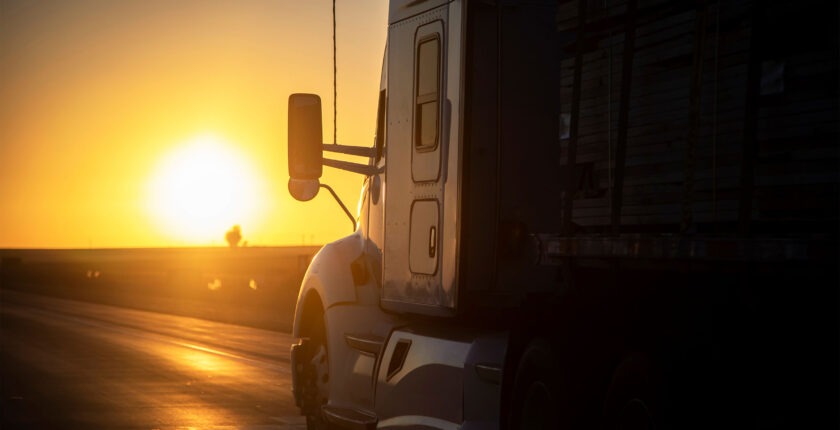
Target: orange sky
(97,98)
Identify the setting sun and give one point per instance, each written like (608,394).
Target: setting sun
(202,188)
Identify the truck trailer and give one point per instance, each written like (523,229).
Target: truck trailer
(611,214)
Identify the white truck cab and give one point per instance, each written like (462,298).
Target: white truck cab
(364,361)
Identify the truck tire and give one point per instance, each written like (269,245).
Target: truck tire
(633,399)
(316,378)
(536,397)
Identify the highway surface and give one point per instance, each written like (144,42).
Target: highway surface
(76,365)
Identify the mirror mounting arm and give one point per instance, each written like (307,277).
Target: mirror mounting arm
(340,203)
(360,151)
(363,169)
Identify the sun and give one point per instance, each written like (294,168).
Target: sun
(202,188)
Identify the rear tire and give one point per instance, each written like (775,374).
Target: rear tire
(633,399)
(536,399)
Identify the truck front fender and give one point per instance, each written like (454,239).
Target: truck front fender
(329,277)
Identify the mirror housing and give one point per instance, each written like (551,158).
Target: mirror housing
(306,159)
(306,151)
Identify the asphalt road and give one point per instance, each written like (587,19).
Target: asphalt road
(73,365)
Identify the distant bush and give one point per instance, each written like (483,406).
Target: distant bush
(234,236)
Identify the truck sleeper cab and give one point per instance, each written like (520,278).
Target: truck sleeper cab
(549,236)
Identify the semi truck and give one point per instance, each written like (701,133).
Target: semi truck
(612,214)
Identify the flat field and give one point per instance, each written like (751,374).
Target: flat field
(253,286)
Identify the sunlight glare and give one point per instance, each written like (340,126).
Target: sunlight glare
(202,188)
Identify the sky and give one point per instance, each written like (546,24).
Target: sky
(163,123)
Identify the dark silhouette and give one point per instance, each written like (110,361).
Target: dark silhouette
(234,236)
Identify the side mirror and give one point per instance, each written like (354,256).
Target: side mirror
(306,158)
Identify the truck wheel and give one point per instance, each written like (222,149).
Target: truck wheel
(316,378)
(632,401)
(536,396)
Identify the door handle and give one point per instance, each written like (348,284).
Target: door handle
(432,241)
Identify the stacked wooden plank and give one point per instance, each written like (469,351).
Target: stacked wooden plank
(683,179)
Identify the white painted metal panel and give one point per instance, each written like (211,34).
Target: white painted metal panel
(422,284)
(404,9)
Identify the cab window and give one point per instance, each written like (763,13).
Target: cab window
(426,108)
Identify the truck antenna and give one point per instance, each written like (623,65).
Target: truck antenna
(335,85)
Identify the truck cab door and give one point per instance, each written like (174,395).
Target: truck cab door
(421,170)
